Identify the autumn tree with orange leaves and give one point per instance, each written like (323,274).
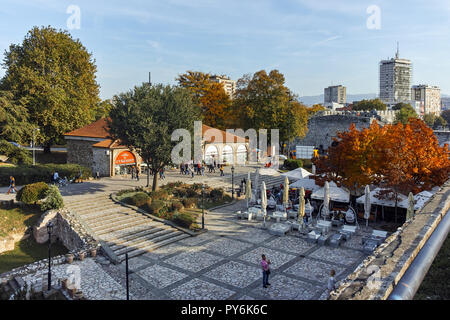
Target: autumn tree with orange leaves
(212,98)
(399,158)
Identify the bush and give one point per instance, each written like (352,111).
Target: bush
(216,193)
(139,199)
(54,199)
(291,164)
(32,193)
(177,206)
(184,220)
(15,154)
(26,174)
(190,203)
(155,207)
(159,195)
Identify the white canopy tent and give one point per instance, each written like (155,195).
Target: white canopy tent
(307,184)
(336,194)
(419,200)
(402,200)
(297,174)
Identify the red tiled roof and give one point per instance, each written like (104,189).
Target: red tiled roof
(235,138)
(97,129)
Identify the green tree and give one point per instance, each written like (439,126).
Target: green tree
(440,122)
(55,75)
(14,123)
(369,105)
(429,119)
(314,109)
(102,109)
(401,105)
(446,115)
(145,118)
(262,101)
(406,112)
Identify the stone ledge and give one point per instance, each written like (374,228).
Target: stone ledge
(378,274)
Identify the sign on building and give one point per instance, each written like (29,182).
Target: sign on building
(304,152)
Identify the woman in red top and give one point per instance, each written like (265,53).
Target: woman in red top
(265,270)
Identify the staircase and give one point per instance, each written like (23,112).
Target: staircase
(122,229)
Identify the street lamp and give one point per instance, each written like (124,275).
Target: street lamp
(203,207)
(232,182)
(49,230)
(34,145)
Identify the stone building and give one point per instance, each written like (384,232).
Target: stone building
(92,147)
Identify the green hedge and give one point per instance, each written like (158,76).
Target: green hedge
(32,193)
(139,199)
(54,199)
(291,164)
(27,174)
(184,220)
(15,154)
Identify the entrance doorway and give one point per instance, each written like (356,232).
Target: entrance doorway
(124,163)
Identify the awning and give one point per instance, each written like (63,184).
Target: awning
(297,174)
(336,194)
(307,184)
(402,200)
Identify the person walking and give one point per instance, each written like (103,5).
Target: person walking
(331,282)
(137,173)
(181,168)
(221,170)
(12,185)
(133,173)
(203,169)
(265,265)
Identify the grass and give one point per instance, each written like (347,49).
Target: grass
(436,284)
(18,219)
(28,251)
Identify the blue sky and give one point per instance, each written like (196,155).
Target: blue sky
(315,43)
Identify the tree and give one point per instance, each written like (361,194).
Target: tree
(144,119)
(446,115)
(369,105)
(314,109)
(14,119)
(211,96)
(262,101)
(55,76)
(102,109)
(440,122)
(429,119)
(406,113)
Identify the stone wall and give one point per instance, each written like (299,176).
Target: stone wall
(376,277)
(101,161)
(80,152)
(322,129)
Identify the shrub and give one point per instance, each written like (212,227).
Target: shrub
(159,195)
(216,193)
(15,154)
(54,199)
(155,207)
(177,206)
(184,220)
(139,199)
(190,203)
(32,193)
(27,174)
(291,164)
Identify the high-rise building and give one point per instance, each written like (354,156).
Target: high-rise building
(337,94)
(228,84)
(445,103)
(429,97)
(395,80)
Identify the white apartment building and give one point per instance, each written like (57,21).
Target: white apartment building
(228,84)
(429,98)
(337,94)
(395,80)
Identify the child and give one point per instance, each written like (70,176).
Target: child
(12,185)
(331,282)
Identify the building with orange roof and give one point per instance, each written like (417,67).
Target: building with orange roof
(92,147)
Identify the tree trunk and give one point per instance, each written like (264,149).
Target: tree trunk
(155,186)
(148,175)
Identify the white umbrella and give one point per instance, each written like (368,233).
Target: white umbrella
(308,208)
(326,200)
(286,193)
(256,182)
(248,190)
(264,201)
(367,204)
(313,169)
(301,206)
(410,210)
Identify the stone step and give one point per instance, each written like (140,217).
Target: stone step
(108,218)
(115,243)
(153,246)
(95,208)
(115,235)
(98,215)
(99,228)
(89,205)
(87,201)
(109,229)
(144,241)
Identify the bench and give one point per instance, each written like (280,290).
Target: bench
(323,239)
(336,240)
(324,226)
(292,214)
(348,231)
(280,229)
(377,236)
(313,237)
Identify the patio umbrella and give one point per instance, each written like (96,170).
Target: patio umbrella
(367,205)
(309,208)
(286,193)
(313,169)
(326,199)
(410,210)
(248,190)
(256,182)
(301,206)
(264,201)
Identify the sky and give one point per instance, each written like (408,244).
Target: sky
(314,43)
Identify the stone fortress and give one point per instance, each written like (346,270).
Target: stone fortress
(324,125)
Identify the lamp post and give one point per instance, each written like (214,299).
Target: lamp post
(49,230)
(203,207)
(232,183)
